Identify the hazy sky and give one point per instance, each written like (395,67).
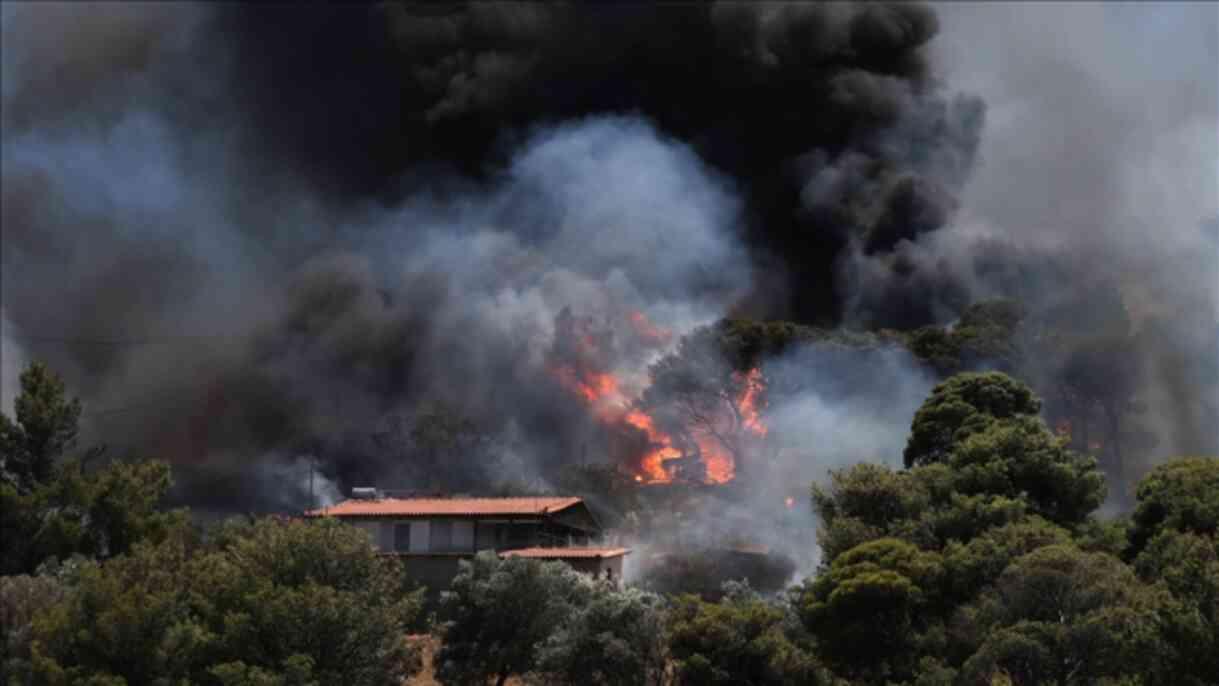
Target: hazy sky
(1101,117)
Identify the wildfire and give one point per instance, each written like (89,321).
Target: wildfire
(648,331)
(717,460)
(748,403)
(597,386)
(603,393)
(653,464)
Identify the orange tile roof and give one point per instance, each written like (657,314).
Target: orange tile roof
(460,507)
(566,553)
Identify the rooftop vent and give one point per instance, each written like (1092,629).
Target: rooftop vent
(365,493)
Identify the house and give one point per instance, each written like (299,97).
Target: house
(432,535)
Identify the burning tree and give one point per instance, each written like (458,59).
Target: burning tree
(697,416)
(709,407)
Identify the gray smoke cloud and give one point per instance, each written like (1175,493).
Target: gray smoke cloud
(837,408)
(235,325)
(1095,184)
(1104,148)
(1101,132)
(828,406)
(241,252)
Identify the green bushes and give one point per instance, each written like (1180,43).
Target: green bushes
(268,602)
(984,563)
(980,563)
(743,639)
(517,616)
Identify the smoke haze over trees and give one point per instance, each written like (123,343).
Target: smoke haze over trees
(984,561)
(259,238)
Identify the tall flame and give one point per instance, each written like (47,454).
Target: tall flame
(662,450)
(748,402)
(602,392)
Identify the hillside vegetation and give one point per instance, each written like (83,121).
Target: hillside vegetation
(982,561)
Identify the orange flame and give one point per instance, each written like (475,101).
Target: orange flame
(599,386)
(599,391)
(718,462)
(653,463)
(748,402)
(648,331)
(603,393)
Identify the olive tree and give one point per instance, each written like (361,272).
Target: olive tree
(742,639)
(616,639)
(268,602)
(499,610)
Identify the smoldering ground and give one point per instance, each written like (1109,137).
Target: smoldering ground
(277,235)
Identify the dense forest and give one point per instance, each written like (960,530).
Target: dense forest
(982,561)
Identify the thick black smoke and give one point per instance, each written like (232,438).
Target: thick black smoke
(1098,173)
(258,238)
(824,113)
(255,232)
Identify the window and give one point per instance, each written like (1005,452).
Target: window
(442,536)
(402,537)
